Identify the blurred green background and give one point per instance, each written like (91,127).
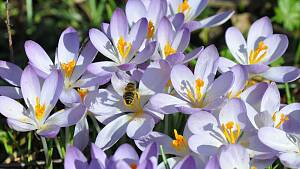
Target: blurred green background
(44,20)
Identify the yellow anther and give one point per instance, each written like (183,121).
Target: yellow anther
(237,95)
(255,56)
(199,85)
(230,135)
(124,47)
(283,118)
(168,50)
(253,167)
(68,67)
(133,166)
(184,6)
(39,109)
(82,93)
(180,143)
(151,29)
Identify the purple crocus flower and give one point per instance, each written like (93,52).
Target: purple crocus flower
(40,101)
(192,9)
(262,48)
(67,60)
(110,103)
(125,157)
(196,90)
(287,144)
(121,45)
(11,73)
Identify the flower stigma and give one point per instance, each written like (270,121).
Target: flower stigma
(254,57)
(151,29)
(282,119)
(180,143)
(168,50)
(124,47)
(184,7)
(39,109)
(230,135)
(68,67)
(82,93)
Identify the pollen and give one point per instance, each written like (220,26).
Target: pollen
(39,109)
(283,118)
(231,135)
(259,53)
(82,93)
(180,143)
(184,7)
(124,47)
(168,50)
(151,29)
(68,67)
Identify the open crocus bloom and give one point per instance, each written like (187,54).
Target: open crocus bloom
(136,119)
(72,64)
(125,157)
(196,90)
(121,45)
(11,73)
(263,107)
(191,9)
(262,48)
(40,102)
(286,143)
(152,10)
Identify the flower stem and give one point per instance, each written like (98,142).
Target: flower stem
(67,136)
(45,148)
(164,157)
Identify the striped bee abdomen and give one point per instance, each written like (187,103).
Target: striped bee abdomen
(129,93)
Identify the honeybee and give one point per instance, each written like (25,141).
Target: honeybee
(130,93)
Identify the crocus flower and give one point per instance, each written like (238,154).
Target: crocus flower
(286,144)
(262,48)
(263,107)
(72,64)
(125,157)
(136,119)
(240,81)
(196,90)
(210,133)
(40,101)
(11,73)
(152,10)
(121,45)
(192,9)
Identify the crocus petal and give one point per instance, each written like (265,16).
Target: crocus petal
(213,163)
(122,164)
(276,139)
(270,101)
(90,80)
(12,92)
(225,64)
(206,66)
(103,102)
(38,57)
(49,131)
(240,79)
(135,10)
(126,66)
(193,54)
(197,7)
(176,58)
(282,74)
(20,126)
(126,152)
(145,54)
(202,121)
(81,134)
(118,25)
(187,162)
(181,40)
(156,10)
(256,68)
(30,86)
(100,68)
(103,44)
(10,73)
(13,110)
(97,153)
(290,160)
(75,159)
(112,132)
(67,117)
(165,32)
(171,161)
(253,94)
(140,126)
(119,80)
(236,44)
(293,112)
(211,21)
(69,96)
(68,46)
(277,45)
(258,31)
(165,103)
(177,21)
(150,152)
(234,156)
(182,76)
(87,55)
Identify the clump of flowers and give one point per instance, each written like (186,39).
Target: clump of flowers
(232,109)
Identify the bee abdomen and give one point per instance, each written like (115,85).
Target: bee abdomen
(128,97)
